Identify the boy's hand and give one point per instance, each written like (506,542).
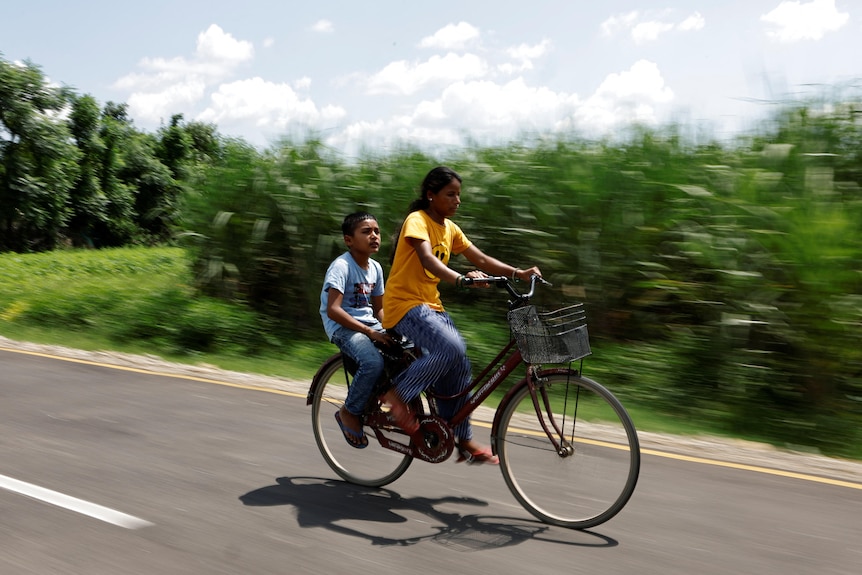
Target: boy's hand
(381,337)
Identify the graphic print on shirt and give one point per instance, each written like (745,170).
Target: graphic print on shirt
(441,252)
(361,296)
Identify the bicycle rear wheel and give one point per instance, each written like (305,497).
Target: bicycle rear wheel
(596,474)
(373,466)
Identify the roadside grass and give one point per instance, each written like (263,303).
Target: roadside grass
(140,301)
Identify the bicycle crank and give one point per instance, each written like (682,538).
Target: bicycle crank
(434,442)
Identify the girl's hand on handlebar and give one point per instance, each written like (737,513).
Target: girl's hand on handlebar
(526,274)
(477,274)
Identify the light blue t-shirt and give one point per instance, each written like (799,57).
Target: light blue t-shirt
(357,285)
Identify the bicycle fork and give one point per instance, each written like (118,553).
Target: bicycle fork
(538,388)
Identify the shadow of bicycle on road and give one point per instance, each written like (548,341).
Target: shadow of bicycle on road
(351,509)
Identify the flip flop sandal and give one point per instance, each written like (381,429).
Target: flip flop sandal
(360,441)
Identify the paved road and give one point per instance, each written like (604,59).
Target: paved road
(154,474)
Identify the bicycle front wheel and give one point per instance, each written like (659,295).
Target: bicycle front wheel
(372,466)
(591,477)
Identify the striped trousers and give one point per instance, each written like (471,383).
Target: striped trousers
(443,365)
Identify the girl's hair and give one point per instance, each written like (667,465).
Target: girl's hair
(434,181)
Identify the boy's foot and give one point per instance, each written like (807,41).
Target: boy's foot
(346,421)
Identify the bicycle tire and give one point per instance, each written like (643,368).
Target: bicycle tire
(373,466)
(595,481)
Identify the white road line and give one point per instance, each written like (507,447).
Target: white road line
(72,503)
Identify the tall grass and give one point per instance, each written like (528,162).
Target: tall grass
(742,263)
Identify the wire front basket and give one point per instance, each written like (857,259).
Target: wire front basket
(558,336)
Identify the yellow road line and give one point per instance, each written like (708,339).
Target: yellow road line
(665,454)
(158,373)
(755,468)
(705,461)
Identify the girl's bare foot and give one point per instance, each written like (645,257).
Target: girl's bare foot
(401,414)
(474,453)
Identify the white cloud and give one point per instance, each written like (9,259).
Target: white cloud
(524,54)
(642,80)
(167,86)
(530,52)
(402,77)
(485,110)
(382,134)
(643,29)
(479,109)
(791,21)
(267,105)
(615,24)
(451,37)
(625,97)
(214,45)
(438,101)
(486,105)
(323,26)
(693,22)
(649,31)
(158,105)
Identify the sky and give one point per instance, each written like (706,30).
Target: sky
(446,73)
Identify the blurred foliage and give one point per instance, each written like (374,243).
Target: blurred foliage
(728,273)
(740,262)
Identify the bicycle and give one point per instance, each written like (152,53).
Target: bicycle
(568,450)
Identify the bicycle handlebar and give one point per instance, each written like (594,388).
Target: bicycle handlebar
(504,282)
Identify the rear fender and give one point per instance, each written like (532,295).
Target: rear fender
(316,381)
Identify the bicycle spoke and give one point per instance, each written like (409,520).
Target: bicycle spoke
(372,466)
(585,484)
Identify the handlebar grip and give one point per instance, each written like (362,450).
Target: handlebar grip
(468,281)
(502,281)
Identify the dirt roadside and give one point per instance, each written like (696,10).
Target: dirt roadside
(701,448)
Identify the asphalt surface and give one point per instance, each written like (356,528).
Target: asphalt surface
(109,471)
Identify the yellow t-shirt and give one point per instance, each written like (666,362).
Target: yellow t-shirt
(409,284)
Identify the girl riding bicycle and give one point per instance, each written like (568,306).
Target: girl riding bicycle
(413,308)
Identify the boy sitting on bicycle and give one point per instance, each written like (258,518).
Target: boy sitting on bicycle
(351,306)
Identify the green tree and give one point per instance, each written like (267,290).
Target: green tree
(115,133)
(174,148)
(39,161)
(155,188)
(88,201)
